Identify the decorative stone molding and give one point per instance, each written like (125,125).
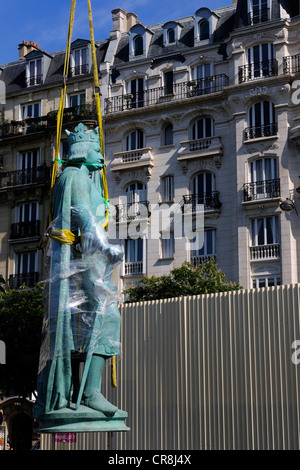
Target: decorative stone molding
(208,148)
(132,159)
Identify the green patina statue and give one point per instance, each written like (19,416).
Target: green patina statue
(82,320)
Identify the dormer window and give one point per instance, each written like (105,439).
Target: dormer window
(79,62)
(138,45)
(171,32)
(139,41)
(204,25)
(203,30)
(258,11)
(34,74)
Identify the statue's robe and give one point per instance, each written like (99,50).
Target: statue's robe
(81,314)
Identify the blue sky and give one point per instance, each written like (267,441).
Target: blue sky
(46,22)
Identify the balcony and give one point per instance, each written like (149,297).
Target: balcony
(197,260)
(20,128)
(265,252)
(34,80)
(131,159)
(25,230)
(133,268)
(132,211)
(257,70)
(159,95)
(16,281)
(210,201)
(256,132)
(79,70)
(206,147)
(258,16)
(291,64)
(24,177)
(267,189)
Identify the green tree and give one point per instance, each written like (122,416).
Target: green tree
(182,281)
(21,316)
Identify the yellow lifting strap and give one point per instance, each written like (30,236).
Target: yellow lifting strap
(68,237)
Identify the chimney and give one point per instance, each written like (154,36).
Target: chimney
(123,21)
(26,47)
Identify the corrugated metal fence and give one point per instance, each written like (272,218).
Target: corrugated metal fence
(208,372)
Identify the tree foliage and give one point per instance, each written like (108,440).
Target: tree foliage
(182,281)
(21,316)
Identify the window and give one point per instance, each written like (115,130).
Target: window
(167,245)
(204,249)
(136,89)
(171,35)
(203,30)
(27,224)
(135,140)
(202,74)
(136,192)
(25,270)
(27,164)
(258,11)
(77,100)
(265,238)
(168,80)
(79,62)
(34,74)
(31,110)
(203,191)
(262,121)
(268,281)
(168,188)
(260,63)
(168,134)
(138,45)
(202,128)
(133,263)
(264,179)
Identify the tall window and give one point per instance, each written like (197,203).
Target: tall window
(168,188)
(203,30)
(79,62)
(171,35)
(203,191)
(264,179)
(203,128)
(261,63)
(138,45)
(265,231)
(25,270)
(133,263)
(258,11)
(29,160)
(169,82)
(27,224)
(168,134)
(136,88)
(31,110)
(262,120)
(136,192)
(34,74)
(205,248)
(77,100)
(135,140)
(167,245)
(202,74)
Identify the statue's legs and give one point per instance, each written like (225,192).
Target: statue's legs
(92,396)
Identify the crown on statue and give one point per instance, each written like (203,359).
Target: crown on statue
(82,134)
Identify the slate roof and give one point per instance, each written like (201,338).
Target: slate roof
(13,74)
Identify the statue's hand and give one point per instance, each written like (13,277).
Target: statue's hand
(114,253)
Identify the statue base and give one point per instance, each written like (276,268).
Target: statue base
(83,419)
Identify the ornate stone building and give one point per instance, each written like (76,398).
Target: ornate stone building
(198,110)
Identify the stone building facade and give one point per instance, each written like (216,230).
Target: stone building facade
(199,112)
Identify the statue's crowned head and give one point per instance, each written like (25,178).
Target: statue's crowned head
(81,141)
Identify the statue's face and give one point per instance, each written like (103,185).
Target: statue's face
(94,156)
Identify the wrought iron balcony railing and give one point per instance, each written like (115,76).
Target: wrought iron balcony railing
(258,16)
(34,80)
(15,281)
(132,211)
(25,229)
(158,95)
(256,70)
(79,70)
(209,200)
(263,252)
(261,190)
(291,64)
(26,126)
(23,177)
(267,130)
